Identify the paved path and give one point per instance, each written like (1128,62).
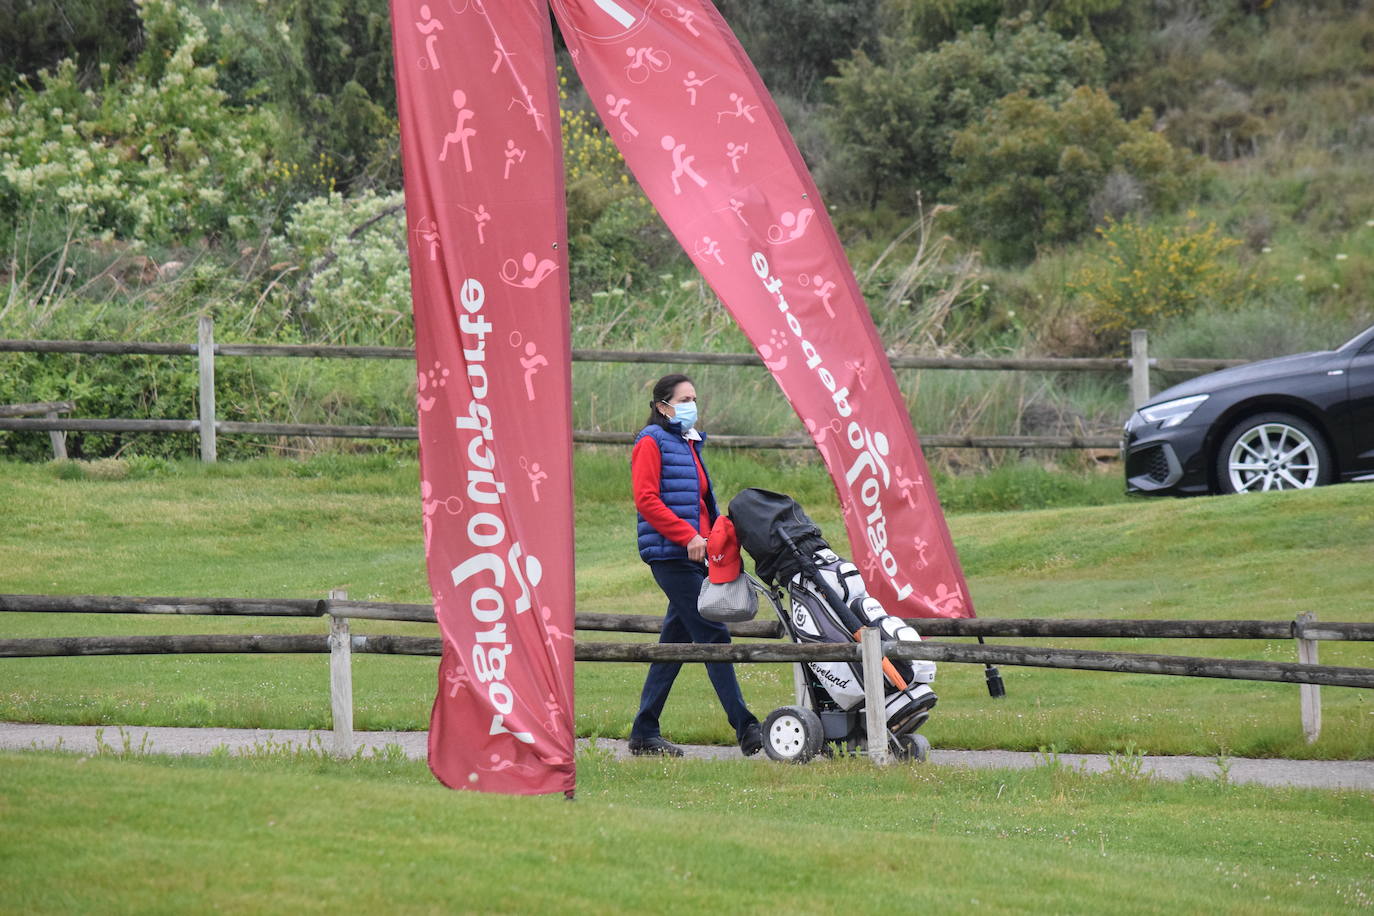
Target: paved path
(86,739)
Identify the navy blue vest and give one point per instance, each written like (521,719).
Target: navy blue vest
(681,492)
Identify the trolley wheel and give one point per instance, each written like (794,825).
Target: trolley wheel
(913,747)
(792,734)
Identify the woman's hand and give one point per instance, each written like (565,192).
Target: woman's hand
(696,549)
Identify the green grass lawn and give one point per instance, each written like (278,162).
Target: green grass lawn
(283,832)
(298,529)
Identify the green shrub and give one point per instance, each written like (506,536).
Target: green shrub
(354,276)
(36,35)
(1027,175)
(796,43)
(894,119)
(152,155)
(1148,275)
(132,387)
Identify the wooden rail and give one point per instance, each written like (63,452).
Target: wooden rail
(1104,628)
(1021,656)
(50,410)
(208,428)
(898,361)
(340,645)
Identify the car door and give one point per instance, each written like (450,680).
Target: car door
(1360,410)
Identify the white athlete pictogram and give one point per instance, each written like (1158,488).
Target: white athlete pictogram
(513,155)
(428,231)
(429,26)
(481,216)
(741,109)
(453,505)
(736,151)
(682,164)
(533,472)
(819,435)
(692,83)
(461,133)
(737,207)
(457,679)
(525,102)
(529,272)
(821,287)
(948,602)
(501,55)
(907,485)
(684,16)
(619,111)
(533,361)
(644,62)
(920,546)
(793,226)
(498,763)
(861,370)
(553,632)
(708,247)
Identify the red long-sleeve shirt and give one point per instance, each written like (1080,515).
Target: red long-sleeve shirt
(646,473)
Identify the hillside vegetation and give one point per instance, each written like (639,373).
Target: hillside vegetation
(1008,177)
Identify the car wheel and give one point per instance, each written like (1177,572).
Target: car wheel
(1272,451)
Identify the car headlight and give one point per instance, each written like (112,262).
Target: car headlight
(1172,413)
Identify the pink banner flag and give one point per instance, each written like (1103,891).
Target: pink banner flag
(703,137)
(482,154)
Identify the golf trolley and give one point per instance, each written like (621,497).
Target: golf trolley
(820,598)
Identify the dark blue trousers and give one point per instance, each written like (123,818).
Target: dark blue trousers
(681,582)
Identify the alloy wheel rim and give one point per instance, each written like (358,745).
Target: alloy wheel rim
(1273,456)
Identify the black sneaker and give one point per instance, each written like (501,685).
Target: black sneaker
(752,740)
(655,747)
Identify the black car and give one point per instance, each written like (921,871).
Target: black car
(1278,424)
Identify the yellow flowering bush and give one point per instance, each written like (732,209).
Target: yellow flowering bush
(588,151)
(1144,275)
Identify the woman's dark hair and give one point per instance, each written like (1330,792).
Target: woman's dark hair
(663,390)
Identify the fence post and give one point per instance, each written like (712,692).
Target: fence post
(59,439)
(1140,368)
(341,679)
(875,705)
(205,352)
(1309,694)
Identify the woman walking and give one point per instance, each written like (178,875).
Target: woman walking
(676,505)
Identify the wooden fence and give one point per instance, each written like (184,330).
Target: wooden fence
(340,643)
(208,427)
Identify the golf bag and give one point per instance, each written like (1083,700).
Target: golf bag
(828,603)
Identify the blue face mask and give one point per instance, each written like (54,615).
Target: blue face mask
(685,415)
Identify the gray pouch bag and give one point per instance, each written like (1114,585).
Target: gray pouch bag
(728,602)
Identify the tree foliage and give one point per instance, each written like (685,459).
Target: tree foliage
(36,34)
(1027,174)
(795,43)
(154,154)
(895,117)
(935,21)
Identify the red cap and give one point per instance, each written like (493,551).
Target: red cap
(722,551)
